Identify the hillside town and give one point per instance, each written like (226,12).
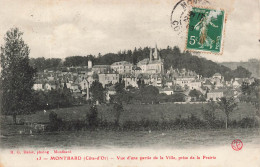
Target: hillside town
(149,71)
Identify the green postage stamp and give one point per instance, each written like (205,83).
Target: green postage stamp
(205,31)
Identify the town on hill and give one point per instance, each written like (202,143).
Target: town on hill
(191,84)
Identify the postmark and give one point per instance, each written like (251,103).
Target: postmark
(205,30)
(180,15)
(237,144)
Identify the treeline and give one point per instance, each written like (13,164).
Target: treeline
(172,57)
(192,122)
(92,121)
(41,63)
(58,98)
(251,93)
(253,65)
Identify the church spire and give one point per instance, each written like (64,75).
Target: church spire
(156,54)
(151,54)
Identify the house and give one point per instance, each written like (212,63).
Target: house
(38,86)
(218,80)
(130,81)
(156,81)
(136,70)
(215,94)
(122,67)
(68,85)
(166,90)
(107,78)
(195,84)
(219,85)
(110,91)
(217,76)
(50,78)
(169,83)
(84,84)
(50,85)
(237,83)
(100,68)
(74,88)
(208,84)
(183,80)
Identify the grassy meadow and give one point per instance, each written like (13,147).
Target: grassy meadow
(135,112)
(178,138)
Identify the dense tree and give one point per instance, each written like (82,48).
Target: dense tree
(41,63)
(92,116)
(97,91)
(17,75)
(118,109)
(178,97)
(149,94)
(52,99)
(195,93)
(227,105)
(55,122)
(251,93)
(241,72)
(210,111)
(140,83)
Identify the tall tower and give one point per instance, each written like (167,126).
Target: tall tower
(155,54)
(151,54)
(89,64)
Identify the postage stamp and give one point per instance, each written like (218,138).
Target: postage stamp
(180,15)
(205,32)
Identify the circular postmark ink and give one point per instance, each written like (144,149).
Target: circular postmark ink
(180,14)
(237,144)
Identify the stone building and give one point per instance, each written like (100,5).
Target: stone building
(152,65)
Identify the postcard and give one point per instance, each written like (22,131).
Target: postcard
(117,83)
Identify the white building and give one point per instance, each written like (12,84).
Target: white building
(215,94)
(84,84)
(130,81)
(166,90)
(38,86)
(107,78)
(122,67)
(195,85)
(184,80)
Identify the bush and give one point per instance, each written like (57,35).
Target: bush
(248,123)
(55,122)
(92,117)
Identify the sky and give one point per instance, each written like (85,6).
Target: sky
(62,28)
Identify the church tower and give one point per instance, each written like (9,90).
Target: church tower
(151,54)
(156,54)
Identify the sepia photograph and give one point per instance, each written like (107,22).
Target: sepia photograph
(129,83)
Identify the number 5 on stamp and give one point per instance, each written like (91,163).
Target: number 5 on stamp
(205,30)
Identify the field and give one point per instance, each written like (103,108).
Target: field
(178,138)
(158,112)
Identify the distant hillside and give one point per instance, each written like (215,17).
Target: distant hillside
(252,65)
